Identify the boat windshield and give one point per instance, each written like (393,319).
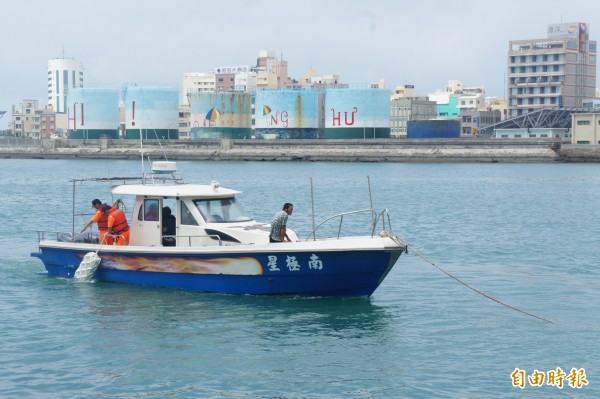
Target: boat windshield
(225,210)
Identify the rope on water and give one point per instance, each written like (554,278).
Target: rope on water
(475,289)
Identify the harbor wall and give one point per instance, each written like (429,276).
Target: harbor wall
(372,150)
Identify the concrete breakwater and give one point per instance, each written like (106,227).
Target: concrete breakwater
(368,150)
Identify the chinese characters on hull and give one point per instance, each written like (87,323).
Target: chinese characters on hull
(292,264)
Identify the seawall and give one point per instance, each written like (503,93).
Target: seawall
(370,150)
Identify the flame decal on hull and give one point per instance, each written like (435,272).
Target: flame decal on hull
(248,266)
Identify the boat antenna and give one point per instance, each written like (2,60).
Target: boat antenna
(142,151)
(73,213)
(141,139)
(160,144)
(370,198)
(312,203)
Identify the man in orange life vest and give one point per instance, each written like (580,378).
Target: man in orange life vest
(101,218)
(118,226)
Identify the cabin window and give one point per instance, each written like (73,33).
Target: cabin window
(151,207)
(186,216)
(224,210)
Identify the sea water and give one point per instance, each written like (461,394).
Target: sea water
(525,235)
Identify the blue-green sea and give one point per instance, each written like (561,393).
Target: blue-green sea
(526,235)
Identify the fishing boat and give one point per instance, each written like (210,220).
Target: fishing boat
(217,247)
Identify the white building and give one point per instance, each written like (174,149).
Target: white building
(197,82)
(63,74)
(471,102)
(245,81)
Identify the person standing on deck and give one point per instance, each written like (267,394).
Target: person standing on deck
(101,218)
(118,226)
(279,223)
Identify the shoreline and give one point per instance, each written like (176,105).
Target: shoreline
(371,150)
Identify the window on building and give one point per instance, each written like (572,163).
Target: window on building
(583,123)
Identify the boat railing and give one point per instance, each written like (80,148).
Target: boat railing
(154,178)
(376,219)
(41,234)
(384,216)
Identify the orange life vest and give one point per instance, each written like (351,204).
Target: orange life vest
(117,221)
(102,220)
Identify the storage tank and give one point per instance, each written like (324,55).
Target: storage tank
(286,113)
(152,111)
(433,129)
(355,113)
(93,113)
(216,115)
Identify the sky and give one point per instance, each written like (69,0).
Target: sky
(424,43)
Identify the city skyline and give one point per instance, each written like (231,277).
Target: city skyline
(425,44)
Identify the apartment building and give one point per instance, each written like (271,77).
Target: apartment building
(26,119)
(197,82)
(557,71)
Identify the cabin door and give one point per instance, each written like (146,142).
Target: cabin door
(150,221)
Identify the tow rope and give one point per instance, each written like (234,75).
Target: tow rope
(476,290)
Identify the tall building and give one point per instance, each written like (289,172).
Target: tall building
(558,71)
(63,74)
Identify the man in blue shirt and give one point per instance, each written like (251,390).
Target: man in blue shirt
(278,225)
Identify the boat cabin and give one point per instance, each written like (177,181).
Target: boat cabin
(203,215)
